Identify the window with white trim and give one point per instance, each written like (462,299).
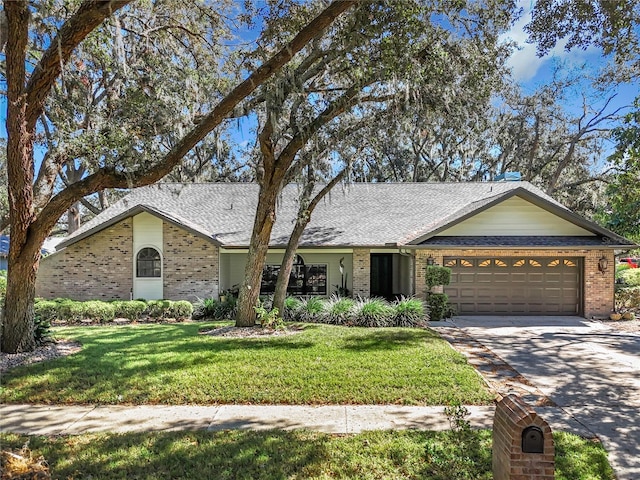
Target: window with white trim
(148,263)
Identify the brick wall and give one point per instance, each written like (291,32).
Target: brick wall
(512,416)
(97,267)
(190,269)
(597,287)
(361,272)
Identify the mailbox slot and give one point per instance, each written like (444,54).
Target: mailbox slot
(532,440)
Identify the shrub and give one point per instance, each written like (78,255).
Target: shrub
(69,310)
(409,312)
(373,312)
(96,310)
(204,308)
(269,318)
(42,331)
(438,306)
(340,311)
(180,309)
(291,308)
(436,275)
(46,310)
(312,310)
(158,308)
(627,298)
(131,309)
(227,309)
(631,277)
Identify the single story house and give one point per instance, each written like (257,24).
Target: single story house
(512,248)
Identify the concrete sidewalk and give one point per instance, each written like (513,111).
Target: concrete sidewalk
(72,420)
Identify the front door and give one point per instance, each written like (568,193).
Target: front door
(382,275)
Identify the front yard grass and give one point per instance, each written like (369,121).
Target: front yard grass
(293,455)
(173,364)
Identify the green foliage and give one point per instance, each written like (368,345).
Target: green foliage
(312,309)
(46,310)
(180,309)
(391,454)
(131,309)
(292,307)
(215,309)
(205,308)
(627,298)
(409,312)
(631,277)
(42,330)
(270,319)
(340,311)
(158,308)
(436,275)
(97,310)
(3,284)
(438,306)
(621,267)
(373,312)
(320,364)
(461,455)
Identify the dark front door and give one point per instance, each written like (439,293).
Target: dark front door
(381,275)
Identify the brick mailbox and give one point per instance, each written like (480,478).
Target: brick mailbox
(522,442)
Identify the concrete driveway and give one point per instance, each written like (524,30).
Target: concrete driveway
(589,370)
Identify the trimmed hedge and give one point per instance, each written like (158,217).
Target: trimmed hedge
(105,312)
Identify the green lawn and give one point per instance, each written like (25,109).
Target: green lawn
(173,364)
(293,455)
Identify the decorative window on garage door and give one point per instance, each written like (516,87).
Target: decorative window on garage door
(515,285)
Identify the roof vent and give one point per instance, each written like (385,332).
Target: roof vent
(509,177)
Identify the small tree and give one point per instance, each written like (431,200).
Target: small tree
(436,276)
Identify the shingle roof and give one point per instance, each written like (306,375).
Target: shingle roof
(359,214)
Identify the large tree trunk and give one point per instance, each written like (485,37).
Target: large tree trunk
(263,224)
(18,324)
(282,283)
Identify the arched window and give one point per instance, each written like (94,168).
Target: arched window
(148,263)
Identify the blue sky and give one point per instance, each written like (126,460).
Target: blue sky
(531,71)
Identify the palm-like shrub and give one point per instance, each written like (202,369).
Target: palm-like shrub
(291,309)
(410,312)
(312,310)
(340,311)
(373,312)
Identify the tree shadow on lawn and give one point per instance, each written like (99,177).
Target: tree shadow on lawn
(245,454)
(271,454)
(390,339)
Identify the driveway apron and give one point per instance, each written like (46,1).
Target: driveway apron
(589,370)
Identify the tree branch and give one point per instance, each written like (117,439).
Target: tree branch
(110,178)
(90,14)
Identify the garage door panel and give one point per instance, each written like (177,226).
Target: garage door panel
(515,285)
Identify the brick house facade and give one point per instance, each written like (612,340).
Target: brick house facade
(373,237)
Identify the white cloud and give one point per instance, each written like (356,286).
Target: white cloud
(524,62)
